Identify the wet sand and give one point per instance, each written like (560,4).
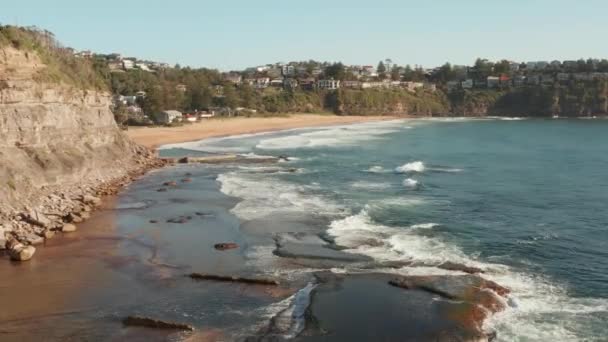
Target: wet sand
(157,136)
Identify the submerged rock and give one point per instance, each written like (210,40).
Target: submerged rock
(234,279)
(225,246)
(308,246)
(364,307)
(155,323)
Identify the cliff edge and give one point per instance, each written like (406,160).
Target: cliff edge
(60,148)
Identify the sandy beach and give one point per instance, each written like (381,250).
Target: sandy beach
(157,136)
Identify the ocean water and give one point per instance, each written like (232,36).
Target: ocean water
(525,200)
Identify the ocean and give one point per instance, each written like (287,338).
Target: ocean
(347,209)
(523,200)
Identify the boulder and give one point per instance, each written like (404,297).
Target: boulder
(68,228)
(91,200)
(36,218)
(21,252)
(170,183)
(48,234)
(85,215)
(34,239)
(225,246)
(186,180)
(162,190)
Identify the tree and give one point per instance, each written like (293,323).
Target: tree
(396,73)
(336,71)
(381,69)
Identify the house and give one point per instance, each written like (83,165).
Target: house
(368,85)
(351,84)
(493,81)
(430,86)
(277,82)
(467,84)
(518,81)
(128,64)
(480,83)
(288,70)
(290,83)
(261,82)
(233,78)
(328,84)
(504,80)
(140,94)
(533,79)
(563,77)
(142,66)
(191,117)
(307,83)
(368,71)
(452,85)
(547,79)
(181,87)
(169,116)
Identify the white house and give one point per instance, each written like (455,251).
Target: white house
(169,116)
(328,84)
(467,84)
(128,64)
(493,81)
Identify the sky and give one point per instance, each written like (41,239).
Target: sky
(233,35)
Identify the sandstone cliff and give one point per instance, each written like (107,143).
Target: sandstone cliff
(58,144)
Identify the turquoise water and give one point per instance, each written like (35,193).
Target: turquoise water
(522,199)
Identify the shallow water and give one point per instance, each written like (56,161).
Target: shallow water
(523,200)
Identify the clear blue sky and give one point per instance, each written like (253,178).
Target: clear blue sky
(231,34)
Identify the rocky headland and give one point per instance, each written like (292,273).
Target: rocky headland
(60,153)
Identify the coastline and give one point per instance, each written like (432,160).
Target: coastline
(220,127)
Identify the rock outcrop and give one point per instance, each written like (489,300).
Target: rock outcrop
(60,151)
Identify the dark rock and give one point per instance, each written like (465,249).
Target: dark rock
(234,279)
(155,323)
(307,246)
(170,183)
(452,266)
(180,220)
(162,190)
(186,180)
(225,246)
(153,221)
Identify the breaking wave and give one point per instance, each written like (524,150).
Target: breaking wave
(539,311)
(262,196)
(332,137)
(416,166)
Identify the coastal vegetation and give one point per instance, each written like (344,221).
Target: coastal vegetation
(60,65)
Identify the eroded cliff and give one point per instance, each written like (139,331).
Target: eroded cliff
(59,145)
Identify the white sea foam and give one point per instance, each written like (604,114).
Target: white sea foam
(370,185)
(376,169)
(416,166)
(410,183)
(419,167)
(538,311)
(332,136)
(424,226)
(262,196)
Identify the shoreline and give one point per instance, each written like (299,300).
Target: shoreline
(223,127)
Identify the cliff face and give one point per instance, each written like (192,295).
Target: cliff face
(54,135)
